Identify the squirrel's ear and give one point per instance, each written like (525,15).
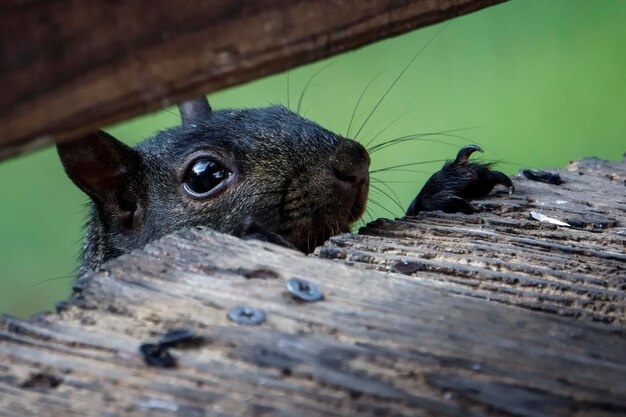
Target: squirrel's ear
(102,167)
(194,110)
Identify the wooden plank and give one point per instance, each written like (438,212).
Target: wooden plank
(378,344)
(505,255)
(69,67)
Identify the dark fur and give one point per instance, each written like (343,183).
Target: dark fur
(457,182)
(289,177)
(295,183)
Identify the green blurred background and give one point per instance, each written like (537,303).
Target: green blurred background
(542,83)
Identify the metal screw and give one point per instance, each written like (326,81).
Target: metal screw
(155,355)
(246,315)
(304,290)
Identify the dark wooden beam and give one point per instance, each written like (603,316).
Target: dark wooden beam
(70,66)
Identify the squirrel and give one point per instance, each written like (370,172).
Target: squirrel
(264,173)
(255,173)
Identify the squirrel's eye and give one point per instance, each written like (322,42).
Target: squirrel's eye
(203,176)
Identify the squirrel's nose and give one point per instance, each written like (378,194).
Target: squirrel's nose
(351,167)
(352,180)
(353,175)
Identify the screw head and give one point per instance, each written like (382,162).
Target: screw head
(155,355)
(304,290)
(246,315)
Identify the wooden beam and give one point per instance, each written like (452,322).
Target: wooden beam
(70,66)
(507,256)
(537,331)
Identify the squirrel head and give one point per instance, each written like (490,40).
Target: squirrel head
(222,169)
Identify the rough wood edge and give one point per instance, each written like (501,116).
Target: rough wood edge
(387,344)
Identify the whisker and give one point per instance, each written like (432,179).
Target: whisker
(309,108)
(391,190)
(387,195)
(359,102)
(432,38)
(288,95)
(361,221)
(392,182)
(171,112)
(389,125)
(437,141)
(407,165)
(419,136)
(405,170)
(306,86)
(53,279)
(376,203)
(368,212)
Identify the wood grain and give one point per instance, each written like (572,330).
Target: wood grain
(422,343)
(68,67)
(505,255)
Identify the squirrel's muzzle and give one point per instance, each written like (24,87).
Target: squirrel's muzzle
(351,178)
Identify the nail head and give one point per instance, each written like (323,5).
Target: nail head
(304,290)
(155,355)
(246,315)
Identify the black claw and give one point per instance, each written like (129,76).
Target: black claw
(464,154)
(499,178)
(452,187)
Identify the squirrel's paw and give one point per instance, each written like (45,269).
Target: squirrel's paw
(452,187)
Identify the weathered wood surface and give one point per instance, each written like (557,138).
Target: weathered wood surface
(504,255)
(379,344)
(69,67)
